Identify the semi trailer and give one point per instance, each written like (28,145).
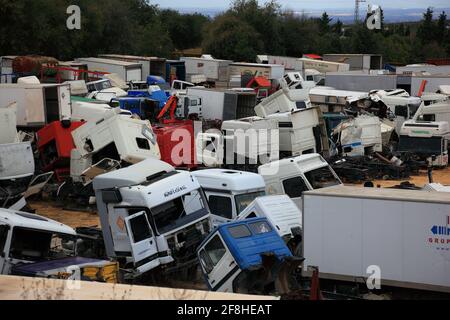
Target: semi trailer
(400,237)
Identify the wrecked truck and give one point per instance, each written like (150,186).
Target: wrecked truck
(153,218)
(248,256)
(293,176)
(35,246)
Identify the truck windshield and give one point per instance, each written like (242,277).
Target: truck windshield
(243,200)
(321,178)
(35,245)
(167,214)
(413,109)
(420,145)
(103,85)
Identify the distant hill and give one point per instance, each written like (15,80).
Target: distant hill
(345,15)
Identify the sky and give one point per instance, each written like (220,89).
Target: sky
(307,4)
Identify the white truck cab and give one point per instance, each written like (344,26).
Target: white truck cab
(283,214)
(299,131)
(103,90)
(293,176)
(438,112)
(400,103)
(426,139)
(151,215)
(129,139)
(229,192)
(28,238)
(92,112)
(243,142)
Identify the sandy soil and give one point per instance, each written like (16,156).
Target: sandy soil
(85,219)
(71,218)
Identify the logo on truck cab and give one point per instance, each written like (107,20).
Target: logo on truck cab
(175,190)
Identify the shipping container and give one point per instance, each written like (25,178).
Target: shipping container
(175,70)
(150,65)
(128,71)
(219,104)
(357,61)
(405,234)
(37,104)
(289,63)
(443,70)
(433,83)
(213,69)
(269,71)
(360,81)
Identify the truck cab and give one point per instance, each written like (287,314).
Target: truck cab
(293,176)
(35,246)
(229,192)
(400,103)
(300,132)
(438,112)
(28,238)
(103,90)
(151,216)
(283,214)
(427,139)
(242,143)
(246,256)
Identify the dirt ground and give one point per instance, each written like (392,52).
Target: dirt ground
(85,219)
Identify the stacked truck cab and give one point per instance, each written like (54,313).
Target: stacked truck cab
(152,216)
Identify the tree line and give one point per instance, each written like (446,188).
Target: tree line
(241,32)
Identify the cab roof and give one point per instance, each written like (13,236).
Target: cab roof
(247,250)
(33,221)
(222,179)
(307,162)
(132,175)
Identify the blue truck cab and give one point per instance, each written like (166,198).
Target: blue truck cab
(145,108)
(153,92)
(245,257)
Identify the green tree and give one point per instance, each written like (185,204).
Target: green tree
(231,38)
(426,30)
(337,27)
(441,27)
(324,23)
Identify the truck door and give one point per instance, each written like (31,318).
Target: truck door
(4,229)
(64,101)
(218,265)
(210,149)
(143,243)
(294,187)
(222,207)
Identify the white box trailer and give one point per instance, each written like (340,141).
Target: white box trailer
(269,71)
(129,71)
(361,81)
(289,63)
(37,104)
(150,65)
(357,61)
(406,233)
(419,68)
(213,69)
(222,104)
(323,66)
(434,83)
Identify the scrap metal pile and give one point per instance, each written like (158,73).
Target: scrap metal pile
(183,175)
